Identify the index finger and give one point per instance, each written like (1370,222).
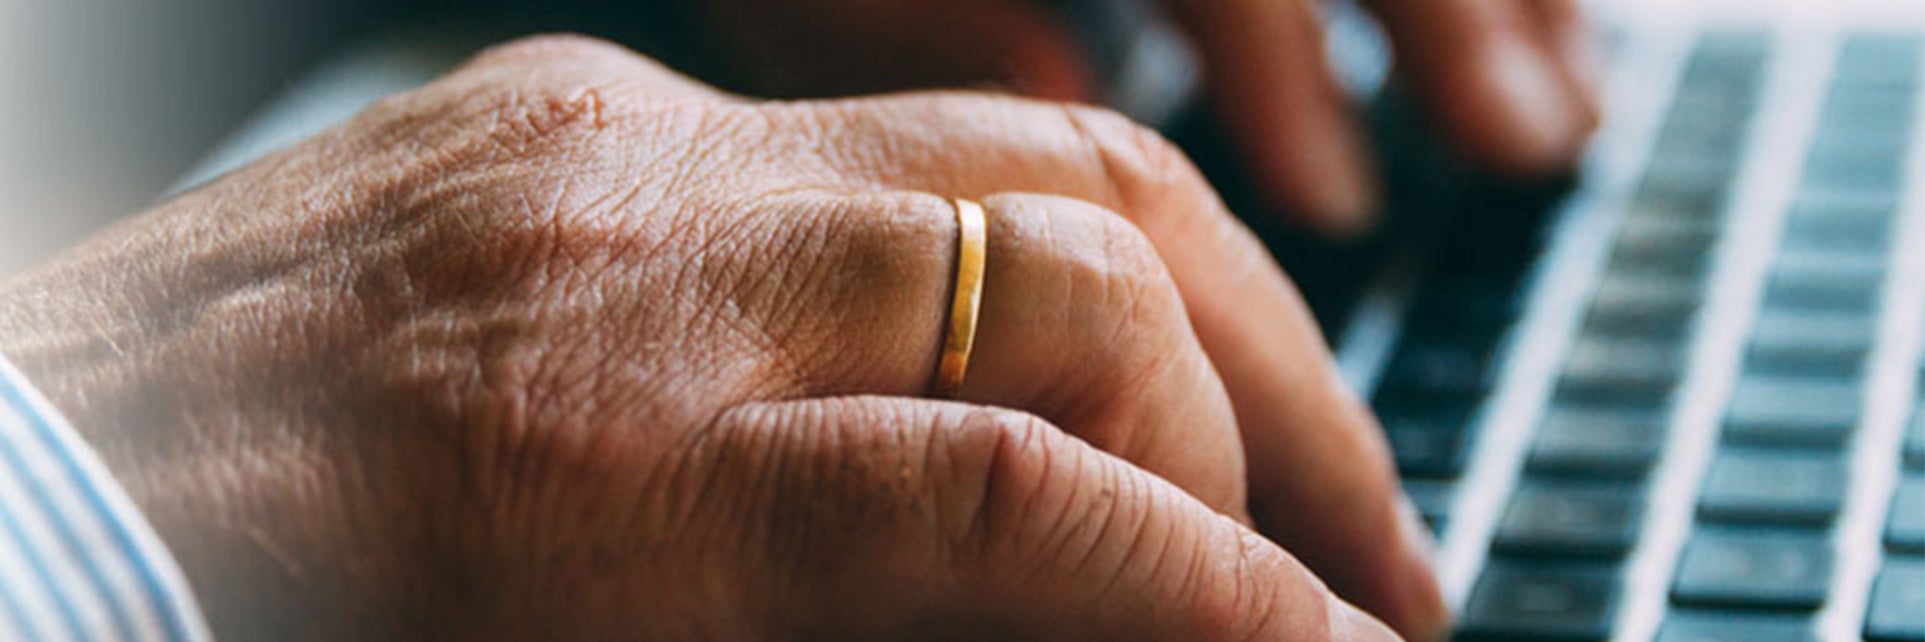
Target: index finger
(1016,530)
(1275,91)
(1507,79)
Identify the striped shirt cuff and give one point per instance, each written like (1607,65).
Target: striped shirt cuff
(77,559)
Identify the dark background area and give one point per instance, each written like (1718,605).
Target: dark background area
(105,103)
(116,99)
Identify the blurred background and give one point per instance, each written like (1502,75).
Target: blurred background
(105,104)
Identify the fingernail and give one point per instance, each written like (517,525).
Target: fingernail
(1341,192)
(1584,62)
(1348,624)
(1542,123)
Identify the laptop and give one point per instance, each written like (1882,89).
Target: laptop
(1673,397)
(1677,396)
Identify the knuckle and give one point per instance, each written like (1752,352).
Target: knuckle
(1253,606)
(567,88)
(847,496)
(1004,458)
(847,473)
(1113,270)
(1132,260)
(1119,304)
(1139,162)
(550,48)
(540,118)
(1043,508)
(1250,594)
(1009,451)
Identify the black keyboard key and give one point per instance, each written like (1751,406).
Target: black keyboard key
(1704,625)
(1453,309)
(1835,206)
(1663,247)
(1630,399)
(1754,569)
(1636,300)
(1860,174)
(1597,441)
(1701,123)
(1828,280)
(1570,519)
(1897,609)
(1554,602)
(1905,524)
(1858,142)
(1655,198)
(1871,107)
(1794,342)
(1773,487)
(1837,220)
(1915,441)
(1652,261)
(1866,173)
(1693,133)
(1881,59)
(1698,102)
(1450,369)
(1428,440)
(1488,249)
(1614,366)
(1702,167)
(1774,410)
(1849,107)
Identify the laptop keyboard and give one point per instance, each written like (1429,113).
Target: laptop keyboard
(1761,557)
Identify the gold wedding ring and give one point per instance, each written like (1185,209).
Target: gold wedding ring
(972,248)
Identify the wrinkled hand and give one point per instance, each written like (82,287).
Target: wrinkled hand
(565,346)
(1508,81)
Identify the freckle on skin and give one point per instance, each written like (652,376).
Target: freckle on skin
(591,100)
(560,113)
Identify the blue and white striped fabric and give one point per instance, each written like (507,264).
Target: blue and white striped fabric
(77,560)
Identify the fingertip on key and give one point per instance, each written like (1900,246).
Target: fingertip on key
(1337,195)
(1537,125)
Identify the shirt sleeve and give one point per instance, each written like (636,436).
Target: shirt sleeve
(77,559)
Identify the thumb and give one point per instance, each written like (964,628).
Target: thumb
(1036,534)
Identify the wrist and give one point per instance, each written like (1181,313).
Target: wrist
(235,488)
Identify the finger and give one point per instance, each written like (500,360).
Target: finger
(1563,30)
(859,46)
(1275,90)
(982,523)
(1321,482)
(1499,85)
(1080,323)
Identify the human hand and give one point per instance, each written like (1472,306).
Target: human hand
(565,346)
(1509,82)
